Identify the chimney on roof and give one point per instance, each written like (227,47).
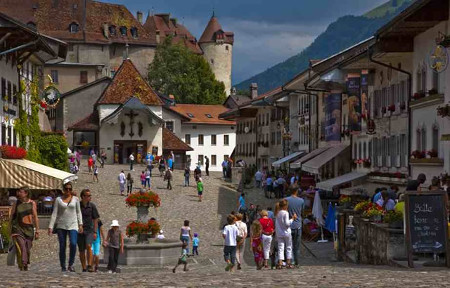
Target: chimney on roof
(139,16)
(254,90)
(233,91)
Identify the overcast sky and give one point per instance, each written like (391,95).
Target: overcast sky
(266,31)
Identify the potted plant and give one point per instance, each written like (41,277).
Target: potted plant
(417,154)
(394,219)
(12,152)
(374,213)
(146,199)
(433,91)
(345,201)
(418,95)
(362,206)
(432,153)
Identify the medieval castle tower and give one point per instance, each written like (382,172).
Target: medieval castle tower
(217,47)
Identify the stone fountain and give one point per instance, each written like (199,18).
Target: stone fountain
(145,249)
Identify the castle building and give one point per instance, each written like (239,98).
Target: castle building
(217,47)
(100,35)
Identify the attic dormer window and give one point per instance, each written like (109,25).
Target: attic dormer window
(112,30)
(31,24)
(134,32)
(208,115)
(190,115)
(123,30)
(73,27)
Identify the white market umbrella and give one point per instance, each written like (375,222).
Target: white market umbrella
(317,212)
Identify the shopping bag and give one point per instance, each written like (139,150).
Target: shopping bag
(11,259)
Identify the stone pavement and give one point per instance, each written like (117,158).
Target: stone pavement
(207,218)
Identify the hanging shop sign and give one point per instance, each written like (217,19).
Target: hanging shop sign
(438,59)
(50,96)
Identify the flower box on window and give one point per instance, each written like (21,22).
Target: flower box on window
(418,95)
(391,108)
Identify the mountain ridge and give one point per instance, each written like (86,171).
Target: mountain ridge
(342,33)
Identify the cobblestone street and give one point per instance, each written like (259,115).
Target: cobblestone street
(207,218)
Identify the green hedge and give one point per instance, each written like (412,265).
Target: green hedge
(53,150)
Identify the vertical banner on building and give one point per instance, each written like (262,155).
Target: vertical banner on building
(354,102)
(365,94)
(333,116)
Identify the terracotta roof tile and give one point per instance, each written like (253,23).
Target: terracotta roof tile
(214,32)
(169,26)
(53,18)
(172,142)
(89,123)
(127,82)
(200,112)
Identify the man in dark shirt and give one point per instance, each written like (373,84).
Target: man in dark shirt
(90,224)
(207,165)
(414,185)
(295,207)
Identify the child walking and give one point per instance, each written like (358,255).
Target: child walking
(129,184)
(182,259)
(95,177)
(199,189)
(143,179)
(257,246)
(114,241)
(230,232)
(195,242)
(96,245)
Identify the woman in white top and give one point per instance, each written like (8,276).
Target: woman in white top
(66,220)
(242,227)
(283,232)
(185,234)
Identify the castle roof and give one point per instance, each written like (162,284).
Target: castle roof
(127,82)
(214,33)
(55,17)
(167,26)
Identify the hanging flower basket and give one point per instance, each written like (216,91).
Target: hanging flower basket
(12,152)
(149,198)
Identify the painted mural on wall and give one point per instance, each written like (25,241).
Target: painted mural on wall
(332,122)
(354,102)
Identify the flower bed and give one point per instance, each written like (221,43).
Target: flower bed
(12,152)
(149,198)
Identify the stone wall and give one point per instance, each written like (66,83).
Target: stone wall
(219,57)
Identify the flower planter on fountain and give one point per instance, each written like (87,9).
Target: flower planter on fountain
(145,249)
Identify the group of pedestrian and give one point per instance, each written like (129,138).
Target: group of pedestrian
(274,236)
(185,237)
(80,222)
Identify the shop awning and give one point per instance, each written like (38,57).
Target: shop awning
(16,173)
(289,158)
(313,165)
(298,163)
(329,184)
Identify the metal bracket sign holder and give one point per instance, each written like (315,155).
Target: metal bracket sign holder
(426,224)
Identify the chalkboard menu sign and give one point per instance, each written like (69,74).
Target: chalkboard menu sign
(426,222)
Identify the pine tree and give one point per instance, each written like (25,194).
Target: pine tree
(178,71)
